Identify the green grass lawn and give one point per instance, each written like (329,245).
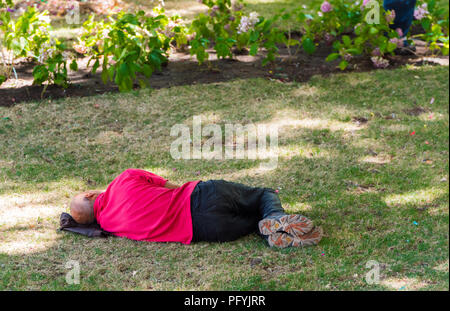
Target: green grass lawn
(379,192)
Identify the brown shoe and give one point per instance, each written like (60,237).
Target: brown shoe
(283,239)
(296,225)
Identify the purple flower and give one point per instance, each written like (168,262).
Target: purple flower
(348,57)
(399,32)
(376,52)
(329,38)
(326,7)
(379,62)
(215,8)
(10,10)
(397,41)
(248,22)
(232,18)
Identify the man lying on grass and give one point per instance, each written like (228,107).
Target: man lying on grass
(140,205)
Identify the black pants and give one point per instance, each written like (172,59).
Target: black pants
(225,211)
(404,13)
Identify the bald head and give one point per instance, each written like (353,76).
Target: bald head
(82,207)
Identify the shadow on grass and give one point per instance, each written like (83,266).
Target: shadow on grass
(320,174)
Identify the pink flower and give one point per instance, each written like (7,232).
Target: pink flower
(397,41)
(79,48)
(326,7)
(399,32)
(390,17)
(329,38)
(421,11)
(365,2)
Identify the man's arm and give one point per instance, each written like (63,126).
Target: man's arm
(152,178)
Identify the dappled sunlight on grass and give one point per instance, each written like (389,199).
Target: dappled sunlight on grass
(298,207)
(27,212)
(38,204)
(358,174)
(403,283)
(300,150)
(166,173)
(378,159)
(305,90)
(27,240)
(423,196)
(257,171)
(442,267)
(283,118)
(430,117)
(398,128)
(107,137)
(372,143)
(6,164)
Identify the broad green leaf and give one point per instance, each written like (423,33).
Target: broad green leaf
(343,64)
(332,56)
(346,40)
(308,45)
(373,30)
(96,65)
(74,65)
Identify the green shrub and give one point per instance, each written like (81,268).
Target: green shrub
(130,45)
(435,22)
(29,36)
(229,30)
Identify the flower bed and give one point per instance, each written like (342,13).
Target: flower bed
(129,47)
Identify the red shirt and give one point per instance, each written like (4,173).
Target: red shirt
(137,206)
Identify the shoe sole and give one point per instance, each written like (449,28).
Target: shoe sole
(284,240)
(311,238)
(295,225)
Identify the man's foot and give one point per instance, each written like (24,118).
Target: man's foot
(283,239)
(295,225)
